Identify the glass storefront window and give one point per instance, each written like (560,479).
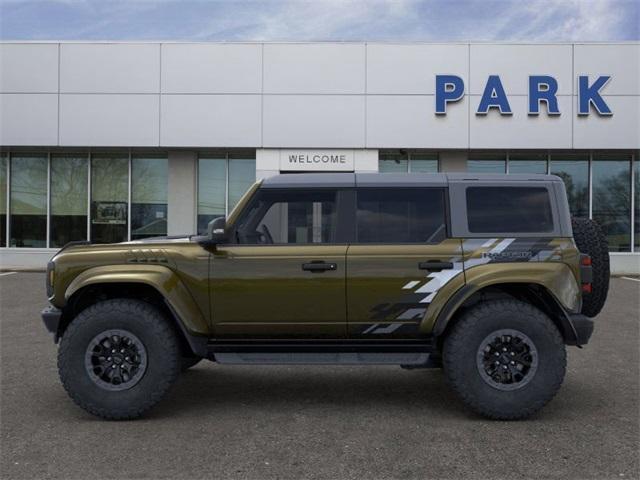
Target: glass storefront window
(393,162)
(68,208)
(423,162)
(28,224)
(612,199)
(487,162)
(237,171)
(403,162)
(242,174)
(212,178)
(109,194)
(528,163)
(573,169)
(149,193)
(4,162)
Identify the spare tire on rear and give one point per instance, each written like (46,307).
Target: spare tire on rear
(590,239)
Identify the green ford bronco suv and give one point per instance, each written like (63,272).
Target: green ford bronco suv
(486,277)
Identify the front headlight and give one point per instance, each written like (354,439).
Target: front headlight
(51,276)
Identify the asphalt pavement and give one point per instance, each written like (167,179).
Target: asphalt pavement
(264,422)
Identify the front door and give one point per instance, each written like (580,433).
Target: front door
(399,261)
(283,275)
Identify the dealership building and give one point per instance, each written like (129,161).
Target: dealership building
(109,142)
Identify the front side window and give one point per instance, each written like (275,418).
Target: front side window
(68,199)
(28,201)
(149,185)
(509,209)
(401,216)
(289,217)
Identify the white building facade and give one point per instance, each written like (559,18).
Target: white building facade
(109,142)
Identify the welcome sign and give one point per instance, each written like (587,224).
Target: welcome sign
(316,160)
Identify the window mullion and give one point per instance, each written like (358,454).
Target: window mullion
(47,242)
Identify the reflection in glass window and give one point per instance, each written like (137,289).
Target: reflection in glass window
(573,169)
(401,216)
(68,199)
(481,162)
(3,199)
(528,163)
(612,199)
(636,179)
(242,174)
(289,217)
(393,162)
(109,193)
(212,179)
(149,185)
(28,226)
(423,162)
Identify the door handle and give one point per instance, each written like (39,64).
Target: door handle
(435,266)
(319,267)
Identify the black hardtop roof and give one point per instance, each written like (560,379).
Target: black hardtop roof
(309,180)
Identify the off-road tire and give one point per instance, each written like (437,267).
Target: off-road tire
(187,362)
(590,239)
(460,351)
(155,332)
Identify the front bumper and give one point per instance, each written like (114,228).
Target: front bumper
(583,328)
(51,318)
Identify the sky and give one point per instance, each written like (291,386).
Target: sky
(321,20)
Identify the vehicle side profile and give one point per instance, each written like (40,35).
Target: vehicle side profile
(485,276)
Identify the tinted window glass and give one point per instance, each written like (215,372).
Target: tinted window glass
(149,194)
(109,196)
(401,216)
(612,199)
(28,201)
(509,209)
(68,199)
(574,172)
(289,217)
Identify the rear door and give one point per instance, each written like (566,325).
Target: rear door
(399,261)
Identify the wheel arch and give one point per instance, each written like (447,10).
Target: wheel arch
(157,285)
(536,294)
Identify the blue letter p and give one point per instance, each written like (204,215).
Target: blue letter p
(449,88)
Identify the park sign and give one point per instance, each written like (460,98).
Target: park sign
(542,90)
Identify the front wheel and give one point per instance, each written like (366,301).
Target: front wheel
(505,359)
(118,358)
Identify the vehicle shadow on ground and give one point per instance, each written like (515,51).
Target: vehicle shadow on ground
(210,388)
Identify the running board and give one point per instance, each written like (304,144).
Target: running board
(322,358)
(318,352)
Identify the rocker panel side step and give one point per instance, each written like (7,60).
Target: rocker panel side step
(323,358)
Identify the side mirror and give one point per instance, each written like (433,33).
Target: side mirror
(216,230)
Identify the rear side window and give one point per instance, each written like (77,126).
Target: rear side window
(414,215)
(509,209)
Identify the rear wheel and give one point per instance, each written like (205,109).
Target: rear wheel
(590,239)
(505,359)
(118,358)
